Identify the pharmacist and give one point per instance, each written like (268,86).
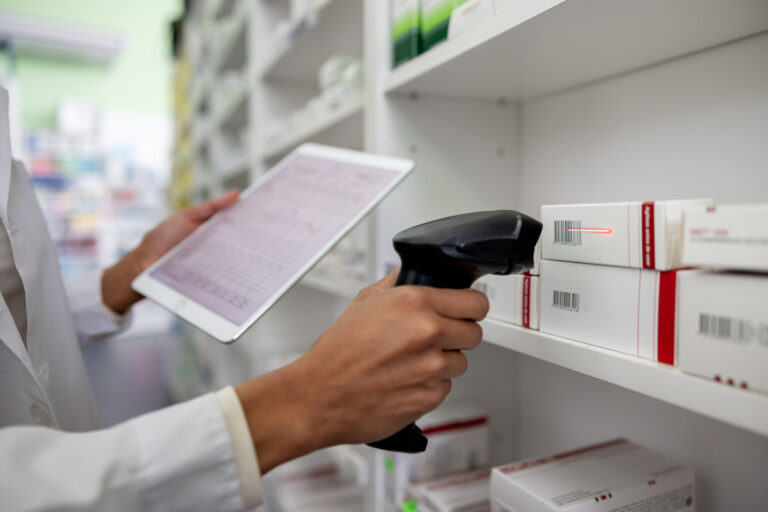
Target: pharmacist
(387,360)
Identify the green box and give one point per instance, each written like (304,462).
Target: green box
(435,17)
(406,31)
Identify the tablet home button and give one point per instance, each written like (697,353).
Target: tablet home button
(180,305)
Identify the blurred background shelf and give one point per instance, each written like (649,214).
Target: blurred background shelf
(349,113)
(314,40)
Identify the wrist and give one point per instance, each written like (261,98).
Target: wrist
(283,421)
(116,291)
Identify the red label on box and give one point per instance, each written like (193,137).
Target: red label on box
(649,248)
(527,301)
(665,336)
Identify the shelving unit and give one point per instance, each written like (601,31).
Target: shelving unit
(748,411)
(551,101)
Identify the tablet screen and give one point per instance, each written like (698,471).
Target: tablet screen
(244,258)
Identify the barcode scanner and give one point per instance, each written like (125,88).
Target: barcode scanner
(454,252)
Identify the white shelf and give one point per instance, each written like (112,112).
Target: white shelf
(348,111)
(236,164)
(338,288)
(337,31)
(744,409)
(541,46)
(233,52)
(349,456)
(235,113)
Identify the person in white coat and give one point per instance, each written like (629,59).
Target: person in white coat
(387,360)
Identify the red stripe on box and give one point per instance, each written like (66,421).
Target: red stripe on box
(665,337)
(457,425)
(526,301)
(649,247)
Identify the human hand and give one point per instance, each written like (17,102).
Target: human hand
(116,290)
(387,360)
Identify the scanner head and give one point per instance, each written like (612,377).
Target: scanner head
(468,246)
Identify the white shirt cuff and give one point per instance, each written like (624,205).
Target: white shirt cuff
(94,321)
(246,461)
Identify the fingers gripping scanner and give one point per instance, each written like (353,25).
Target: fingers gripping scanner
(453,253)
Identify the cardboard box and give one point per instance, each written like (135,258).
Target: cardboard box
(609,477)
(459,439)
(730,237)
(464,492)
(625,309)
(723,327)
(513,299)
(641,235)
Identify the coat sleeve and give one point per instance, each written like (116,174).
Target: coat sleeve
(93,320)
(176,459)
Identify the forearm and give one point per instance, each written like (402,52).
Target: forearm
(284,420)
(116,290)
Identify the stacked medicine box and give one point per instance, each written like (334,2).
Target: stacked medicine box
(609,274)
(621,276)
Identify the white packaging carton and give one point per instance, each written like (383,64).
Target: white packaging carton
(513,299)
(723,327)
(730,237)
(464,492)
(635,234)
(469,15)
(502,5)
(629,310)
(615,476)
(459,439)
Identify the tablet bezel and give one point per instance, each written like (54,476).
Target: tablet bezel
(218,326)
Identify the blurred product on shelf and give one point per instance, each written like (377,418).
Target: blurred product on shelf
(435,19)
(469,15)
(611,476)
(513,299)
(723,327)
(463,492)
(731,237)
(304,16)
(631,234)
(405,28)
(624,309)
(341,82)
(315,483)
(459,440)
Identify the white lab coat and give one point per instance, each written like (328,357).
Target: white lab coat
(179,458)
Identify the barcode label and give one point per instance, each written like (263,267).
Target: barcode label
(567,232)
(565,300)
(725,328)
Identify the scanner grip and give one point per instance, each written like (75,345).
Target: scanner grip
(411,439)
(408,440)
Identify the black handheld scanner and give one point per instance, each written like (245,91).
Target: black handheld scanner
(453,253)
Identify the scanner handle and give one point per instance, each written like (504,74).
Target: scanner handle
(410,439)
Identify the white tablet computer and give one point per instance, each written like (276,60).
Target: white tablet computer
(233,268)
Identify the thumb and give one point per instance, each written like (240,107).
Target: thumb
(208,209)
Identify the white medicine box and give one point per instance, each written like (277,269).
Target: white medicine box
(615,476)
(631,234)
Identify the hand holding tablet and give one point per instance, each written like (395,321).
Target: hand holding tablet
(237,265)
